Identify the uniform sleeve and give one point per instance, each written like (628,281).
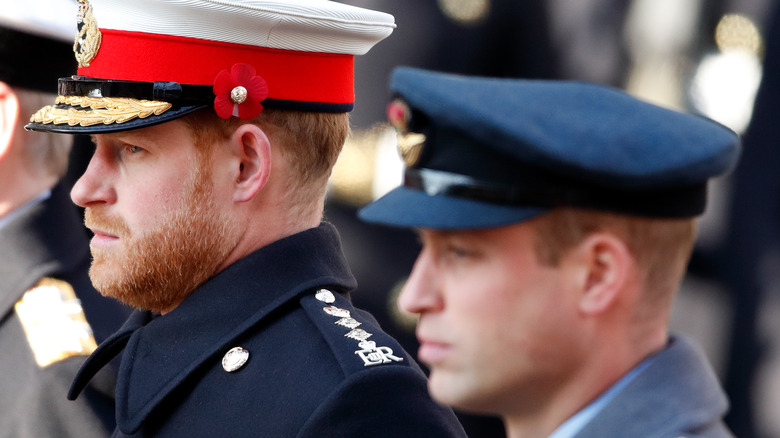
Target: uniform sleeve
(43,410)
(391,401)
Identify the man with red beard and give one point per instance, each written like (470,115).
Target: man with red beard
(216,126)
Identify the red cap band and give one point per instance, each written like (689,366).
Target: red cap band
(290,75)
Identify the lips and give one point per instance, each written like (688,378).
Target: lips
(432,352)
(106,229)
(102,234)
(102,238)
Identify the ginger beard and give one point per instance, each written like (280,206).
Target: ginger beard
(159,268)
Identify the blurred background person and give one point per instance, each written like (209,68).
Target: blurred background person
(50,316)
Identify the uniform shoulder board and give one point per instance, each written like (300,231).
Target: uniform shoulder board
(357,341)
(54,322)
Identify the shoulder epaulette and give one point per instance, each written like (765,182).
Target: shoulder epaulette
(357,342)
(54,322)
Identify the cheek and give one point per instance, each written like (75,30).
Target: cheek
(518,307)
(481,304)
(147,205)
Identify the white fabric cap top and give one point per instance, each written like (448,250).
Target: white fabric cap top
(300,25)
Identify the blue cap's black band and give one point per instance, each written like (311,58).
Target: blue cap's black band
(678,202)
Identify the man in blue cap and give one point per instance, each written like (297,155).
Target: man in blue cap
(557,220)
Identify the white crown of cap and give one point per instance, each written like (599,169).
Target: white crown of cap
(54,19)
(300,25)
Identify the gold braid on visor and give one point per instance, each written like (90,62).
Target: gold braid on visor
(105,110)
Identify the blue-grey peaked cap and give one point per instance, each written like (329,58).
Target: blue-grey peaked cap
(500,151)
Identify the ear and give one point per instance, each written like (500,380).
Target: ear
(607,263)
(9,116)
(253,150)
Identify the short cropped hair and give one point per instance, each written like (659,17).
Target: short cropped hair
(311,142)
(661,247)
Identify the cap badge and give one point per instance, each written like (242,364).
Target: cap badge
(234,359)
(239,92)
(410,144)
(88,38)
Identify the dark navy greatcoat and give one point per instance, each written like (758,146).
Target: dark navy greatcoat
(311,371)
(50,241)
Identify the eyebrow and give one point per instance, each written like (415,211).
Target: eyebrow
(114,137)
(433,233)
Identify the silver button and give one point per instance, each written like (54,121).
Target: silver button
(234,359)
(325,296)
(238,95)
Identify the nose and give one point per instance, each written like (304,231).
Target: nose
(94,186)
(422,292)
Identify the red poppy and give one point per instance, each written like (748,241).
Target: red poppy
(239,92)
(398,114)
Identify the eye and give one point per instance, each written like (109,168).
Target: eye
(134,149)
(460,252)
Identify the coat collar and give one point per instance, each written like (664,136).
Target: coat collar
(677,392)
(33,246)
(162,352)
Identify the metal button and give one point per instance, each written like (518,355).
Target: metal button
(325,296)
(234,359)
(238,95)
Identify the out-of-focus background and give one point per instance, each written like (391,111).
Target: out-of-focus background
(711,57)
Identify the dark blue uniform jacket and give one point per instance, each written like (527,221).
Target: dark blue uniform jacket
(311,372)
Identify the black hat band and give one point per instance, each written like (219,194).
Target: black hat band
(678,202)
(172,92)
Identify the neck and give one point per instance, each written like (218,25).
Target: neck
(604,363)
(265,227)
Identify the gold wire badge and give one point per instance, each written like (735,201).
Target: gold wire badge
(88,38)
(410,146)
(105,110)
(54,322)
